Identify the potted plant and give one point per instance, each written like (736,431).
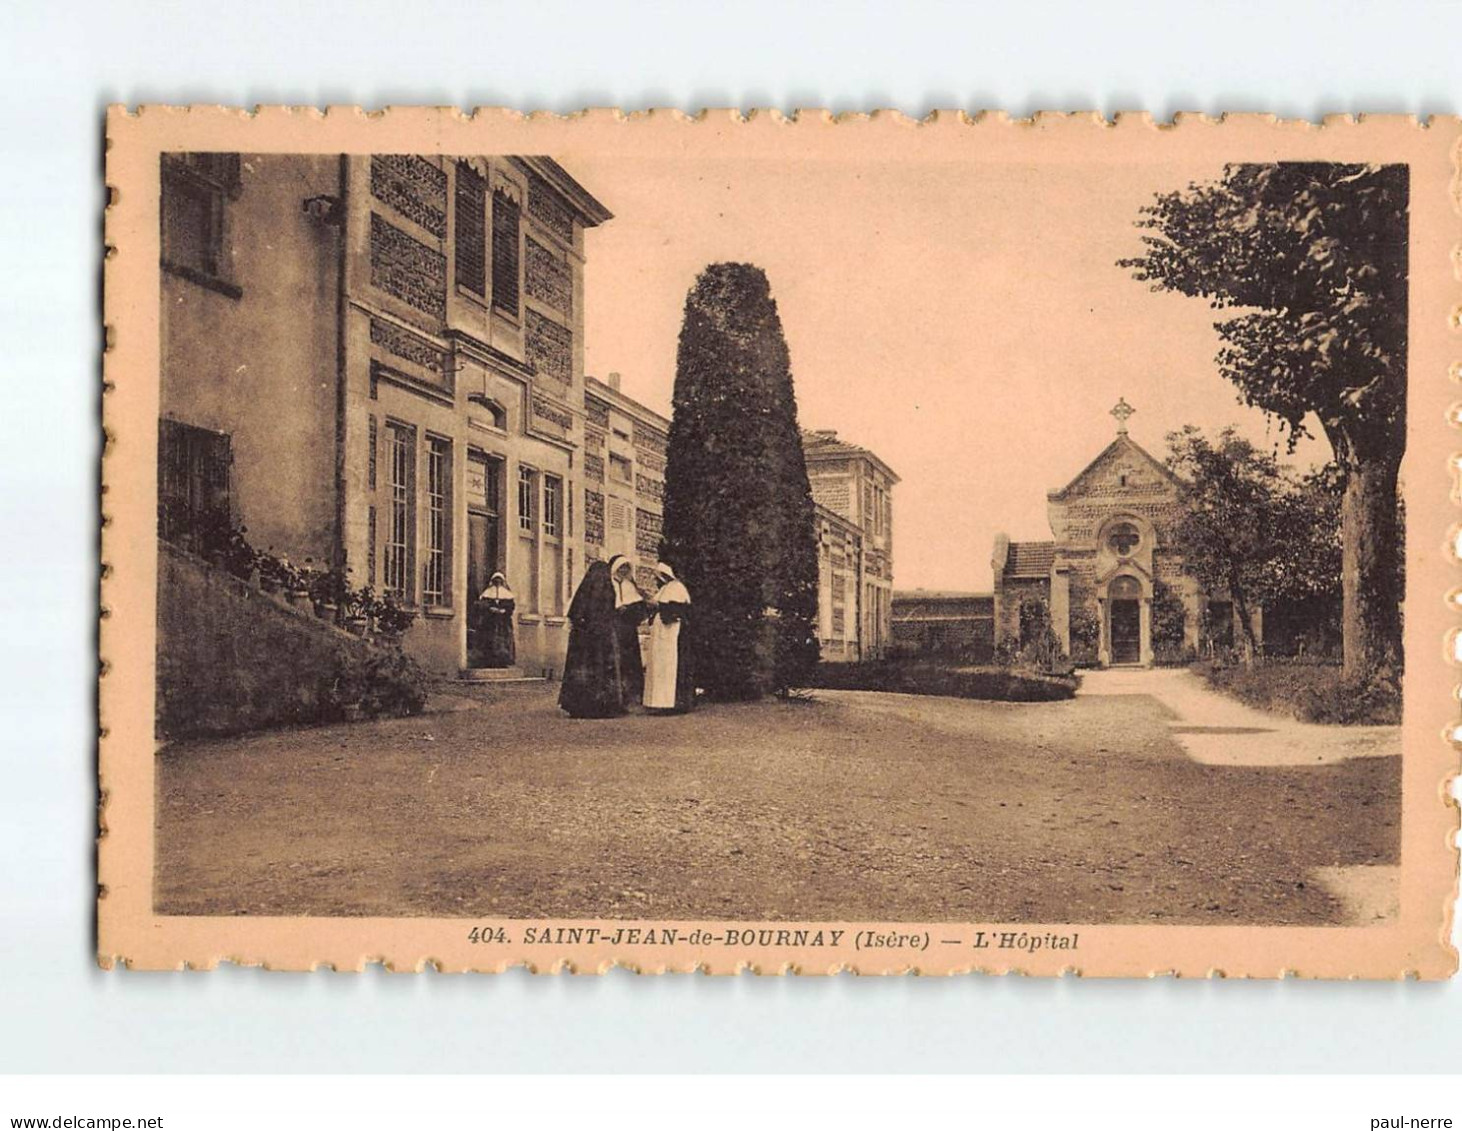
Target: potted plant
(273,572)
(296,582)
(356,609)
(327,588)
(225,545)
(392,620)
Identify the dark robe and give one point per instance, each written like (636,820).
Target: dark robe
(593,687)
(627,620)
(491,625)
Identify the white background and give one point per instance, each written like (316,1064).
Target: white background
(61,63)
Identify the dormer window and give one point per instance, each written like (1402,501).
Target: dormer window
(1123,539)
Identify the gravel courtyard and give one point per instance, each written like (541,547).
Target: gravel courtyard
(856,806)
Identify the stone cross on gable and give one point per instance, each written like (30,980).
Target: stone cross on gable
(1122,410)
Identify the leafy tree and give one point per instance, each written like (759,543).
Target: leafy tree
(1035,620)
(1169,619)
(1232,527)
(739,518)
(1312,258)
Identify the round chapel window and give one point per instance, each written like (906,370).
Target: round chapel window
(1123,539)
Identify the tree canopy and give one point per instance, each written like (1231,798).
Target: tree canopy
(1253,526)
(1312,258)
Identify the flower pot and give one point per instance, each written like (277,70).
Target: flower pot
(299,598)
(326,611)
(358,625)
(269,585)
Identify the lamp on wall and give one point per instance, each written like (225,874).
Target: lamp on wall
(323,209)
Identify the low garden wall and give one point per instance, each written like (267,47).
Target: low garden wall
(233,658)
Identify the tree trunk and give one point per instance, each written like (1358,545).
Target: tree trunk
(1369,574)
(1246,622)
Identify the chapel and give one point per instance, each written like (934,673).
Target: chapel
(1110,581)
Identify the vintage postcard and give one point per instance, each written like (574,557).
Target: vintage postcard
(732,542)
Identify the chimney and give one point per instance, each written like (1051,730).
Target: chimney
(614,381)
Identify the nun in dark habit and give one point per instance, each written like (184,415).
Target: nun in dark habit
(593,686)
(630,612)
(493,619)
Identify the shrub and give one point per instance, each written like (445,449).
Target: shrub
(1312,691)
(930,678)
(1086,631)
(1169,618)
(394,684)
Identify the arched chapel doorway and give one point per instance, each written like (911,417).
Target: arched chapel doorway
(1126,622)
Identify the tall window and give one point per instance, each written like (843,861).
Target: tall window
(193,482)
(527,500)
(196,189)
(552,506)
(471,231)
(505,224)
(438,521)
(400,446)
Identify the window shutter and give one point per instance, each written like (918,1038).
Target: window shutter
(471,230)
(505,223)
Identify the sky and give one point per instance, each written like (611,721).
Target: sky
(968,323)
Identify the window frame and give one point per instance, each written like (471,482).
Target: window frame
(1122,528)
(527,514)
(436,576)
(553,494)
(401,513)
(212,180)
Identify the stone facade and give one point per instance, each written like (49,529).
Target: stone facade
(853,490)
(1109,583)
(339,374)
(340,340)
(624,464)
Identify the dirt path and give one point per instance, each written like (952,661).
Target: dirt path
(1220,731)
(856,806)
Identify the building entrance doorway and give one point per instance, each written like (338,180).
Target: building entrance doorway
(484,543)
(1126,615)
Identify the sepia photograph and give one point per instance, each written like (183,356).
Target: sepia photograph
(589,544)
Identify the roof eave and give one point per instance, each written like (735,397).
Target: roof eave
(591,209)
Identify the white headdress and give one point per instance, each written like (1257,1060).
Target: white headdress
(626,592)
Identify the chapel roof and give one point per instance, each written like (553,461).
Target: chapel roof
(1123,443)
(1030,559)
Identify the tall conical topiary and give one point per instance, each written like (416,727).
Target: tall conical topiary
(739,519)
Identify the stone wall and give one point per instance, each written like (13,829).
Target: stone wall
(231,658)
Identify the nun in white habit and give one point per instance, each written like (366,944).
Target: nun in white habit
(669,681)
